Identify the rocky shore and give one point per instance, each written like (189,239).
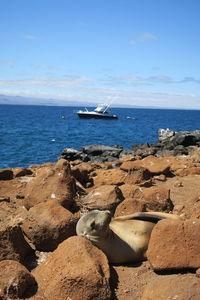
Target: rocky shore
(170,143)
(42,258)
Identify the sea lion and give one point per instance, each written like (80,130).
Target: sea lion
(123,239)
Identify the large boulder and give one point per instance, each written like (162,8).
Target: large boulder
(75,270)
(154,165)
(132,191)
(15,280)
(134,175)
(155,198)
(13,243)
(128,207)
(48,224)
(180,287)
(102,153)
(175,245)
(105,197)
(51,183)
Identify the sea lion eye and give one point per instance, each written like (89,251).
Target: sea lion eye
(92,225)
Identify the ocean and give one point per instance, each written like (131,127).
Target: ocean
(37,134)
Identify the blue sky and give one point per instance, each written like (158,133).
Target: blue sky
(136,52)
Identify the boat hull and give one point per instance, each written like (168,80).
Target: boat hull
(84,115)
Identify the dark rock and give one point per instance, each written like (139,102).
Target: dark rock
(180,150)
(6,174)
(70,154)
(140,146)
(167,145)
(127,152)
(185,139)
(96,150)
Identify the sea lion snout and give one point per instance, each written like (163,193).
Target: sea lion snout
(93,224)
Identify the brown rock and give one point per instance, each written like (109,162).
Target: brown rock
(51,182)
(137,174)
(75,270)
(82,172)
(10,215)
(175,245)
(192,238)
(185,191)
(179,164)
(198,273)
(134,175)
(180,287)
(15,280)
(19,172)
(12,244)
(144,199)
(156,165)
(188,171)
(146,152)
(107,177)
(6,174)
(103,198)
(157,198)
(128,207)
(132,191)
(48,224)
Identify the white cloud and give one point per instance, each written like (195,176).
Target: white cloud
(142,38)
(10,62)
(47,82)
(43,67)
(117,96)
(30,37)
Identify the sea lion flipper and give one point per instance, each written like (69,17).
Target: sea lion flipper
(148,216)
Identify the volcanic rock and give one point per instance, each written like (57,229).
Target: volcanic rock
(144,199)
(52,183)
(15,280)
(48,224)
(105,197)
(13,244)
(175,245)
(82,173)
(75,270)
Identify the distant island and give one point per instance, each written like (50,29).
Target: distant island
(21,100)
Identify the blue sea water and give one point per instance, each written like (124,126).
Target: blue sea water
(37,134)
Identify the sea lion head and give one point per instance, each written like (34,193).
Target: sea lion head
(94,225)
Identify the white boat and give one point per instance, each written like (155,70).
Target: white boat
(100,112)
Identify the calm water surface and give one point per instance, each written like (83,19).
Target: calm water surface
(37,134)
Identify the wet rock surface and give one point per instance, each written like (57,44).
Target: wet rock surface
(40,205)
